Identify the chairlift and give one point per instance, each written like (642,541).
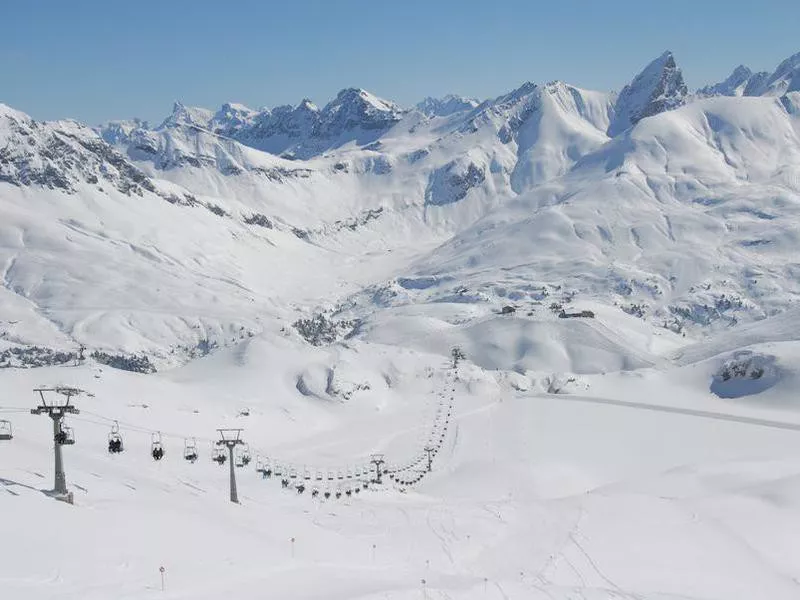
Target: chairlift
(263,468)
(242,456)
(306,474)
(279,470)
(339,475)
(190,449)
(5,430)
(115,440)
(319,476)
(156,448)
(293,473)
(330,475)
(65,437)
(218,455)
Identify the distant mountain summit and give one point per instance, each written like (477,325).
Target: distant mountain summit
(446,105)
(659,87)
(742,82)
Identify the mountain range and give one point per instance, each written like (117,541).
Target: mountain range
(678,207)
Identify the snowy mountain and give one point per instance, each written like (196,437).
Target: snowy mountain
(657,88)
(742,82)
(619,272)
(446,105)
(785,78)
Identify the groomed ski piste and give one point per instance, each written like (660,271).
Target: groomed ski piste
(659,491)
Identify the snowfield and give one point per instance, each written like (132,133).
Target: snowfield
(619,270)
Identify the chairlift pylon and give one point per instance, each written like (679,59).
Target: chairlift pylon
(6,432)
(156,448)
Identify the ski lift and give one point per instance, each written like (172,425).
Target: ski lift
(65,437)
(293,473)
(306,474)
(156,448)
(243,456)
(190,449)
(263,468)
(5,430)
(115,440)
(339,475)
(278,471)
(330,475)
(218,455)
(319,476)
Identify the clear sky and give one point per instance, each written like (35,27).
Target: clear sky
(96,60)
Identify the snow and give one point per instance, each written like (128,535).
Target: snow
(620,273)
(657,88)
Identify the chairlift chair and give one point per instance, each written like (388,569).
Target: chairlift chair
(293,473)
(115,445)
(306,474)
(190,449)
(218,455)
(242,456)
(156,448)
(66,437)
(319,476)
(5,430)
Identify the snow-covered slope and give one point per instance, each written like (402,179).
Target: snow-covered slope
(620,271)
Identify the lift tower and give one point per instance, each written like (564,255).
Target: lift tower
(378,461)
(230,438)
(431,452)
(59,405)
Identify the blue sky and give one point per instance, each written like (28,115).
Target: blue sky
(94,60)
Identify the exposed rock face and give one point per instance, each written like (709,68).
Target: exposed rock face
(452,182)
(61,155)
(658,88)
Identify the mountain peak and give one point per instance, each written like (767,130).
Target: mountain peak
(446,105)
(186,115)
(736,84)
(657,88)
(785,79)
